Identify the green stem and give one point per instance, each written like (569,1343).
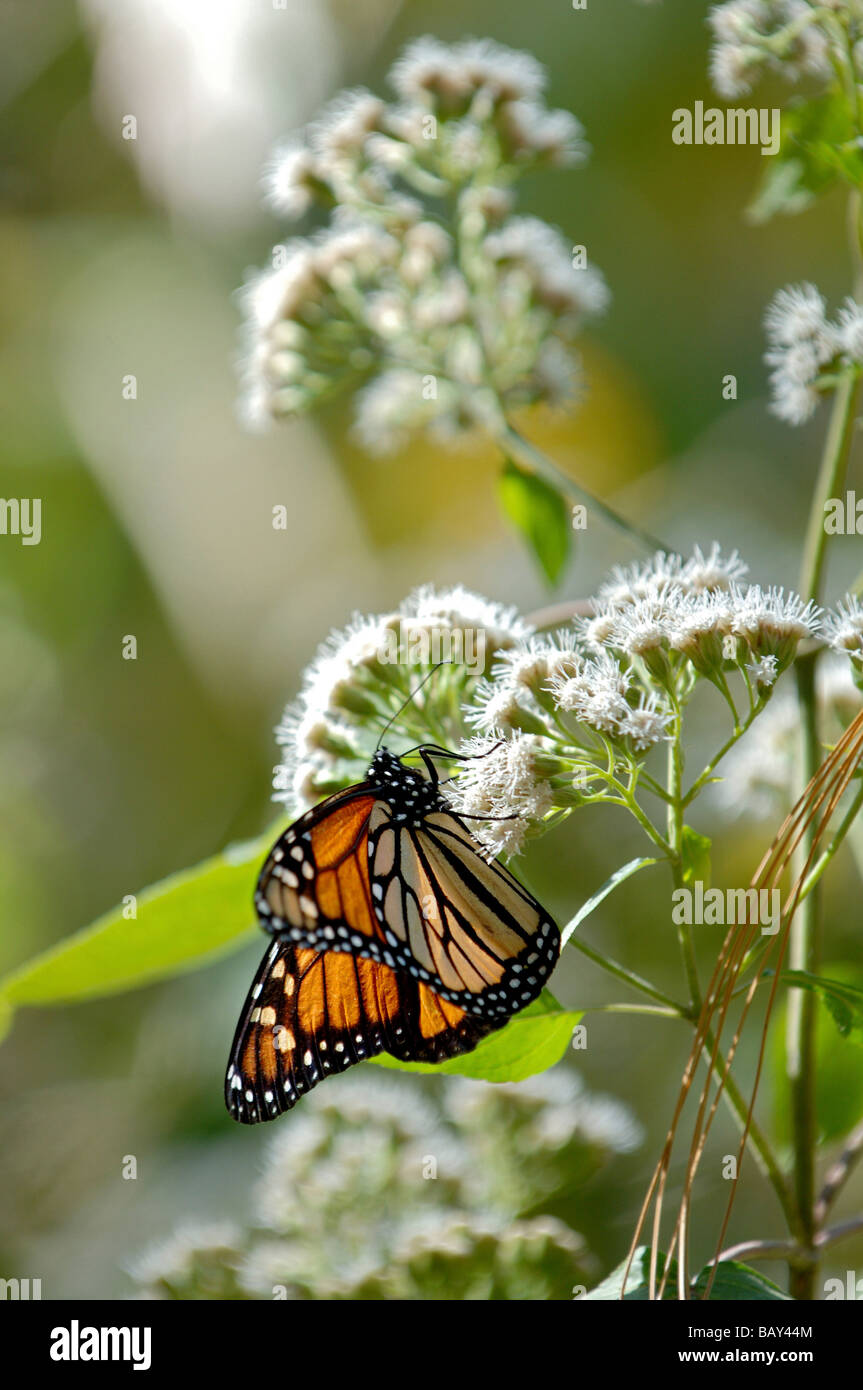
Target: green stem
(729,743)
(829,482)
(805,936)
(655,1010)
(675,842)
(824,859)
(513,443)
(804,953)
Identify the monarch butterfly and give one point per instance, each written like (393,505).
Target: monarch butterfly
(393,933)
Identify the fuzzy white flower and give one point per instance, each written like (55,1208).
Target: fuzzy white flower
(501,780)
(843,629)
(533,662)
(801,343)
(459,607)
(595,694)
(764,671)
(289,180)
(172,1259)
(849,330)
(757,36)
(797,314)
(647,624)
(397,402)
(772,616)
(541,253)
(495,709)
(434,72)
(648,723)
(552,135)
(628,583)
(711,571)
(345,124)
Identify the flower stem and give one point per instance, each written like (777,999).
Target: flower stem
(805,937)
(675,841)
(511,442)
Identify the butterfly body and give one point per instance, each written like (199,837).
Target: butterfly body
(392,932)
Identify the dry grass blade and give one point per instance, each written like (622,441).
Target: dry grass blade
(815,808)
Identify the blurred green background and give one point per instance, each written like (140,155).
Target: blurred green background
(121,257)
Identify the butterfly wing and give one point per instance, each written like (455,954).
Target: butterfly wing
(310,1014)
(314,887)
(412,894)
(454,918)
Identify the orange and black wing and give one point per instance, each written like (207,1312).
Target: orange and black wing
(314,887)
(310,1014)
(456,919)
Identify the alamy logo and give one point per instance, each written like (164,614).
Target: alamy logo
(733,126)
(712,907)
(17,1289)
(76,1343)
(21,516)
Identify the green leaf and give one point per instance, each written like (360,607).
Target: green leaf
(738,1282)
(190,917)
(819,146)
(608,887)
(695,856)
(637,1281)
(839,1094)
(531,1042)
(844,1002)
(541,514)
(732,1281)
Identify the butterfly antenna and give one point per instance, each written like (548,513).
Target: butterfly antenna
(403,706)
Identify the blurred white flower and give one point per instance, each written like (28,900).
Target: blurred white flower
(801,343)
(757,36)
(450,75)
(438,322)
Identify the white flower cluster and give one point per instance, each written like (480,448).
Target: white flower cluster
(342,1212)
(543,723)
(805,344)
(754,37)
(362,674)
(564,719)
(439,320)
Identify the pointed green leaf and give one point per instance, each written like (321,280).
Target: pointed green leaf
(844,1002)
(731,1281)
(737,1282)
(818,147)
(540,513)
(182,921)
(637,1280)
(695,854)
